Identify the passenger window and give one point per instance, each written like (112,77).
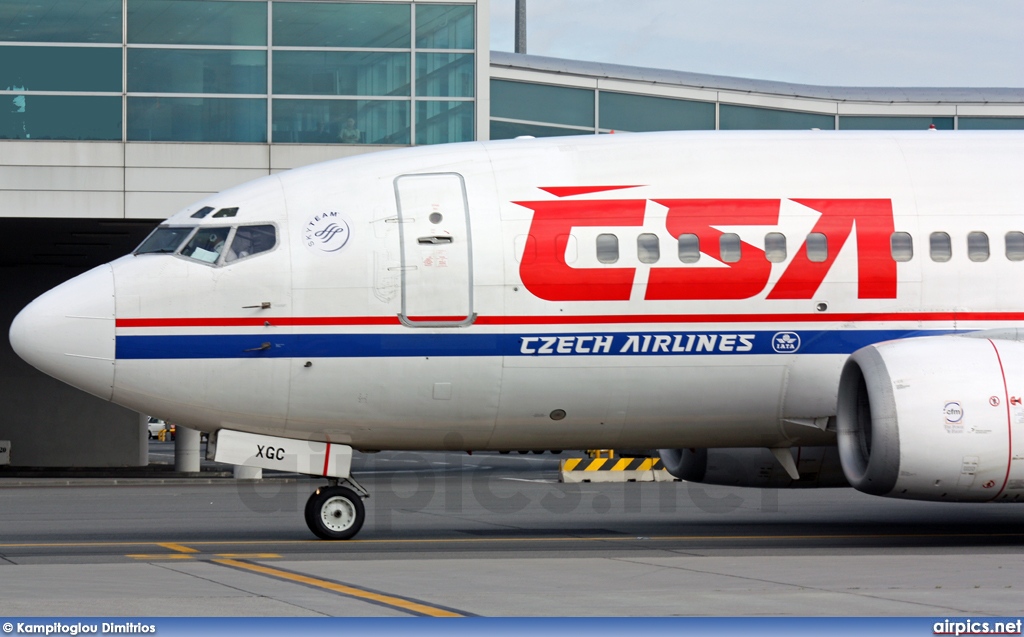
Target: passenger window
(526,246)
(901,244)
(1015,246)
(607,248)
(689,248)
(729,247)
(250,240)
(977,246)
(648,248)
(775,247)
(940,247)
(206,244)
(817,247)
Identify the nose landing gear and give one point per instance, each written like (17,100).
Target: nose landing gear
(336,512)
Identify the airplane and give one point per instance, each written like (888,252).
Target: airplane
(852,298)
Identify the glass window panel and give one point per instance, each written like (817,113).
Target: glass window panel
(511,130)
(341,73)
(731,117)
(894,123)
(206,244)
(902,246)
(191,71)
(991,123)
(60,21)
(621,111)
(940,247)
(1015,246)
(42,68)
(689,248)
(607,248)
(164,240)
(197,22)
(250,240)
(378,25)
(444,26)
(729,247)
(327,121)
(444,122)
(648,248)
(60,117)
(817,247)
(444,74)
(197,119)
(542,103)
(977,246)
(775,247)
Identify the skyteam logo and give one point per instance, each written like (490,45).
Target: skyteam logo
(786,342)
(327,232)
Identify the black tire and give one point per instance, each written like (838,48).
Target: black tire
(335,513)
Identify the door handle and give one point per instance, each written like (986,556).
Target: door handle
(435,239)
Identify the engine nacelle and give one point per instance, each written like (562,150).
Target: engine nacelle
(755,467)
(934,418)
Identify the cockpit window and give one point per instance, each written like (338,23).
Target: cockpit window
(164,240)
(225,212)
(202,212)
(207,244)
(250,240)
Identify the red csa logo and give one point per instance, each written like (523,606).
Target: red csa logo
(545,273)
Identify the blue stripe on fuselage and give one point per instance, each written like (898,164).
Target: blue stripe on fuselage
(415,344)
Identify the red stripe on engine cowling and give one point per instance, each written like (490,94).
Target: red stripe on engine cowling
(1009,422)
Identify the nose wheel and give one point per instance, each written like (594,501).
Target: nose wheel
(335,513)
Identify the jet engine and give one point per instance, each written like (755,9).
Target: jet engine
(935,418)
(755,467)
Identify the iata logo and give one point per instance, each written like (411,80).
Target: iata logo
(546,274)
(326,232)
(786,342)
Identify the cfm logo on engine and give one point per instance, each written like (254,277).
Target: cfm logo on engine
(953,412)
(545,273)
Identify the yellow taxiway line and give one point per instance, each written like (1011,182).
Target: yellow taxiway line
(417,608)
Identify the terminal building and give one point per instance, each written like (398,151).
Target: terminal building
(114,114)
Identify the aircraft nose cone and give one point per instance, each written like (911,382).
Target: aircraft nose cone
(68,332)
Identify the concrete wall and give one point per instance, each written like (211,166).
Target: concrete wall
(51,424)
(135,180)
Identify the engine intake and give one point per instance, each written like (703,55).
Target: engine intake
(934,418)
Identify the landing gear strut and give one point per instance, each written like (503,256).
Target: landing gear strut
(335,512)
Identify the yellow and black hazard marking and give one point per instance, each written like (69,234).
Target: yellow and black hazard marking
(612,464)
(613,470)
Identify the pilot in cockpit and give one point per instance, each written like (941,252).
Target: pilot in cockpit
(207,245)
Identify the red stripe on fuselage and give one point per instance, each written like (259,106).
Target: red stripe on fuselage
(599,319)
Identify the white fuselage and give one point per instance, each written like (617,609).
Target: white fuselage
(536,294)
